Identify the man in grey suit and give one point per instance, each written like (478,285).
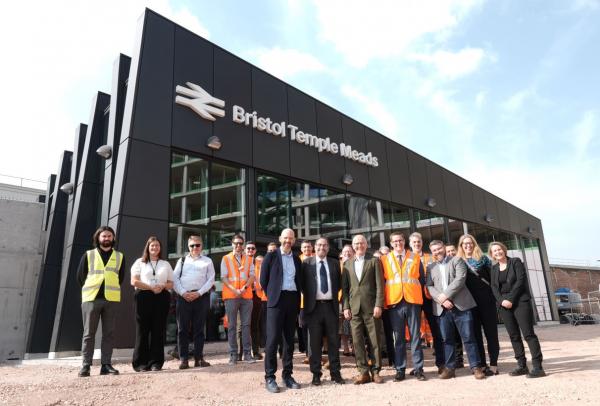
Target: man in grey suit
(363,297)
(320,278)
(453,302)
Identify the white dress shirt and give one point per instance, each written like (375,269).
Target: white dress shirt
(320,295)
(444,276)
(196,274)
(359,262)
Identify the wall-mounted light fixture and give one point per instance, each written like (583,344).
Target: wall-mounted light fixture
(67,188)
(430,202)
(530,230)
(214,143)
(489,218)
(105,151)
(347,179)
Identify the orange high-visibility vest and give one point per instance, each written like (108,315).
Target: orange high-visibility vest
(259,290)
(341,270)
(426,259)
(238,276)
(402,282)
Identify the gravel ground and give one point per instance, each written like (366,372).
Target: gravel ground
(572,361)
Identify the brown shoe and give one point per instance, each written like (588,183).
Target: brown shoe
(478,373)
(360,379)
(326,365)
(306,360)
(377,378)
(441,369)
(447,374)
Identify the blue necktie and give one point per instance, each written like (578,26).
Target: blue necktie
(323,276)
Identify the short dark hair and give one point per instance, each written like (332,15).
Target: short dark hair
(237,237)
(250,242)
(436,242)
(146,253)
(96,237)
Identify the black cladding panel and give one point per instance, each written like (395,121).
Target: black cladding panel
(435,182)
(466,198)
(304,162)
(329,125)
(269,100)
(452,192)
(503,220)
(479,201)
(232,84)
(399,174)
(193,64)
(418,180)
(354,135)
(491,209)
(154,81)
(379,180)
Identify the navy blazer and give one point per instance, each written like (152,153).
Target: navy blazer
(309,283)
(271,276)
(516,278)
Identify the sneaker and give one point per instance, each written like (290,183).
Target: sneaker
(248,359)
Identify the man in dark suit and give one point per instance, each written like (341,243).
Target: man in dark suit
(363,296)
(446,281)
(280,279)
(321,282)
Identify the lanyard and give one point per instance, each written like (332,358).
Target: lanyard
(153,267)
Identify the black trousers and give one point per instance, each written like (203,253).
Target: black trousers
(263,324)
(438,345)
(323,322)
(192,312)
(255,322)
(484,316)
(520,319)
(151,312)
(281,322)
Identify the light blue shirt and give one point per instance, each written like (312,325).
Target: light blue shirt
(289,271)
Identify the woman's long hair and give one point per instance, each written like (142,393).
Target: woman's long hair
(146,253)
(477,253)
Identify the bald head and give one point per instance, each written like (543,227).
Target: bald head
(287,239)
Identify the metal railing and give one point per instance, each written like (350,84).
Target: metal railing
(574,262)
(22,182)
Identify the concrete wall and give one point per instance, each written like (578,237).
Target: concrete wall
(26,194)
(20,261)
(577,278)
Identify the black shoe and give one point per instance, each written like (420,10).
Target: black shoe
(412,372)
(84,371)
(400,376)
(316,380)
(271,386)
(536,373)
(488,372)
(201,363)
(107,369)
(258,356)
(459,364)
(518,371)
(420,375)
(141,368)
(291,383)
(155,368)
(337,378)
(184,364)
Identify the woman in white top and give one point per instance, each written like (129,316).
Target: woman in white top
(152,278)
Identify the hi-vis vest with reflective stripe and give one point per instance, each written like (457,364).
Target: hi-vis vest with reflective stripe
(402,282)
(98,273)
(238,275)
(259,290)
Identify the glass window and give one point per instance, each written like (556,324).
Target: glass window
(537,279)
(455,231)
(332,213)
(483,235)
(431,227)
(305,210)
(359,221)
(273,207)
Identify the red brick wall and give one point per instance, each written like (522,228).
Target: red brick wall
(578,280)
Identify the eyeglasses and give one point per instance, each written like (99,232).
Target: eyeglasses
(397,241)
(195,245)
(238,243)
(251,248)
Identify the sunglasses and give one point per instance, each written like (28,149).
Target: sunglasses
(195,245)
(251,248)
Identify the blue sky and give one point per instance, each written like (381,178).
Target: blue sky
(504,93)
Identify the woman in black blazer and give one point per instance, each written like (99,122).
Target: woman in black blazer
(511,290)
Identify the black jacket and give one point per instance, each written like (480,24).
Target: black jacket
(309,276)
(271,276)
(517,287)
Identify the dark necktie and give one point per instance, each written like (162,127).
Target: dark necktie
(400,260)
(323,276)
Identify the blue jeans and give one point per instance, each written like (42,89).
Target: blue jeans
(402,314)
(463,320)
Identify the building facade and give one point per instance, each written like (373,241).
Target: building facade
(203,142)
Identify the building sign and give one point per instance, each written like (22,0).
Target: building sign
(209,107)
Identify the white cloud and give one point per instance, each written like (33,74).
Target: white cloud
(480,99)
(285,63)
(452,65)
(58,54)
(384,119)
(585,130)
(361,31)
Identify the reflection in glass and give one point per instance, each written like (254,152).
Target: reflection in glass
(431,227)
(332,213)
(455,230)
(273,208)
(305,210)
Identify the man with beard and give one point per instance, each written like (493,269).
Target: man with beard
(100,274)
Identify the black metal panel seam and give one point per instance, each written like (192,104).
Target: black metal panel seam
(314,103)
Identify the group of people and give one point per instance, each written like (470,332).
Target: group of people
(372,299)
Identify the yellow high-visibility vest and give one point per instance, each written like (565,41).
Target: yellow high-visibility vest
(98,273)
